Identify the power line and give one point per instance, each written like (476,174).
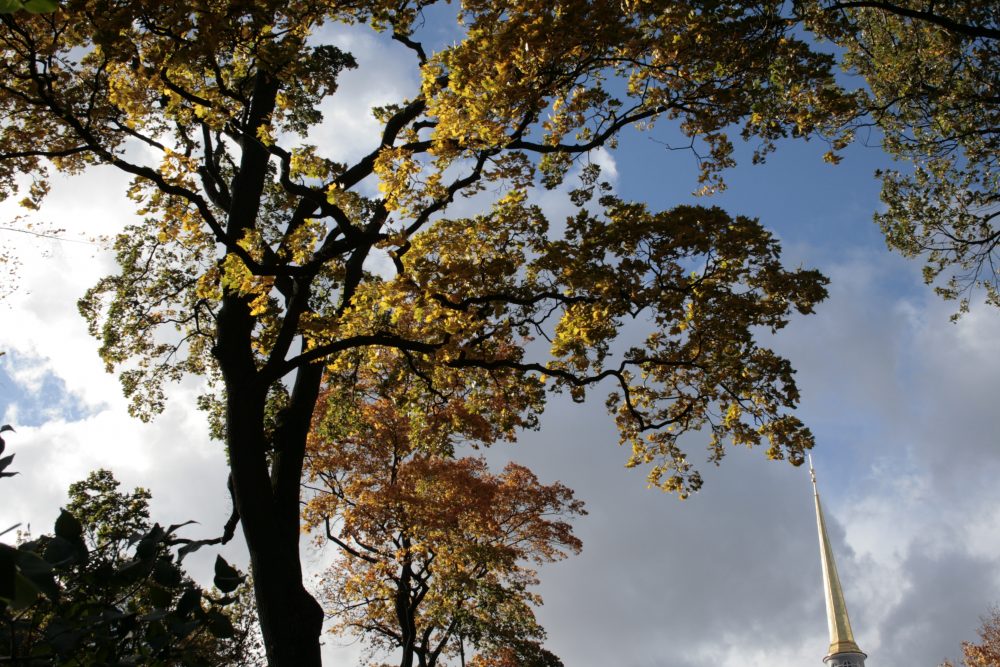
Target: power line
(45,236)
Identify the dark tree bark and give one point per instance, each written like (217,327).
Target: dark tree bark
(267,500)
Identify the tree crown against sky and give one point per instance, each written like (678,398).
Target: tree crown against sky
(184,82)
(252,264)
(436,550)
(986,651)
(934,94)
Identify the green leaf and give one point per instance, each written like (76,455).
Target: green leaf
(227,578)
(41,6)
(9,7)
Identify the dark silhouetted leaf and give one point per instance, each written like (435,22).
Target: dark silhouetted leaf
(69,527)
(190,599)
(175,527)
(62,636)
(182,628)
(219,625)
(166,573)
(8,571)
(136,569)
(39,573)
(146,549)
(155,615)
(25,592)
(227,579)
(160,597)
(60,552)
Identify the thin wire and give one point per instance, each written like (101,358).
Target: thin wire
(45,236)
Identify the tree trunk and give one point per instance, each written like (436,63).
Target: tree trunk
(290,618)
(268,501)
(405,615)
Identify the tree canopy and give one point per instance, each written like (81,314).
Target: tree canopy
(253,260)
(935,95)
(435,550)
(986,651)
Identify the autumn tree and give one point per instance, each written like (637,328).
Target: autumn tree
(523,654)
(935,96)
(435,549)
(251,263)
(985,653)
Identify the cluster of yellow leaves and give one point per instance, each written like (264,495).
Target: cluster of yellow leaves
(705,280)
(521,60)
(475,290)
(237,277)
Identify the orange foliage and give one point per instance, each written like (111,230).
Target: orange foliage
(435,548)
(987,652)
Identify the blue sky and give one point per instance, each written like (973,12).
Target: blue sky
(900,400)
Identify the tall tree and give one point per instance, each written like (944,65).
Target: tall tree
(249,263)
(935,95)
(435,550)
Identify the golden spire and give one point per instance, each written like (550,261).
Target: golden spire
(841,637)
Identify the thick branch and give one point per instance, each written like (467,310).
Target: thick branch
(965,29)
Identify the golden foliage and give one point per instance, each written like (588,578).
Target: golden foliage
(209,106)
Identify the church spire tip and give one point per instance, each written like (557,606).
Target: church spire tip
(843,652)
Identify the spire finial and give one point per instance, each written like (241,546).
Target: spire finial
(842,643)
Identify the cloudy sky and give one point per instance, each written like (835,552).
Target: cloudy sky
(899,399)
